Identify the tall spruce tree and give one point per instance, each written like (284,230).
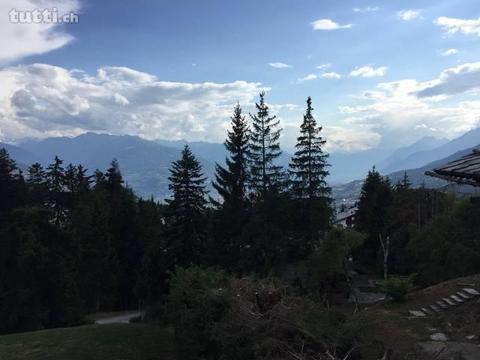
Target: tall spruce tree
(36,180)
(308,168)
(55,180)
(371,217)
(11,184)
(185,210)
(231,181)
(231,184)
(265,176)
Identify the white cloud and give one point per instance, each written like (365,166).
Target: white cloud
(368,71)
(456,80)
(308,77)
(331,75)
(409,15)
(366,9)
(42,100)
(393,109)
(22,40)
(327,24)
(324,66)
(454,25)
(279,65)
(449,52)
(346,139)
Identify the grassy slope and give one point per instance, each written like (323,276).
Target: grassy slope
(94,342)
(391,324)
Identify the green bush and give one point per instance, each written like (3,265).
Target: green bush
(157,313)
(198,300)
(397,287)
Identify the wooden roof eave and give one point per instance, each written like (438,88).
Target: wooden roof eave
(451,178)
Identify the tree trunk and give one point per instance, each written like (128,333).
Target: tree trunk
(385,248)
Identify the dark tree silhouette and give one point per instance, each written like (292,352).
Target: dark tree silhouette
(265,176)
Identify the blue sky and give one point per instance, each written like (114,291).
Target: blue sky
(381,73)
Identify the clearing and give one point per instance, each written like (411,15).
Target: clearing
(93,342)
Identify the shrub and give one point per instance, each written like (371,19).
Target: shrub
(397,287)
(198,300)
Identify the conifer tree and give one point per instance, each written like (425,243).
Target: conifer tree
(231,184)
(55,180)
(36,179)
(308,168)
(10,184)
(114,179)
(371,217)
(185,225)
(265,176)
(231,181)
(36,174)
(403,184)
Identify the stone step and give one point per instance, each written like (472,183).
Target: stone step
(471,291)
(417,313)
(442,304)
(450,302)
(426,311)
(463,295)
(435,308)
(457,298)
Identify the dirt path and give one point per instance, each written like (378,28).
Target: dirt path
(120,318)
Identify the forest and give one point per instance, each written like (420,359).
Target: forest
(253,269)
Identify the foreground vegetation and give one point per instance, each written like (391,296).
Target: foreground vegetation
(93,342)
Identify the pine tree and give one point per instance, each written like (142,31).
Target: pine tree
(374,200)
(36,174)
(231,181)
(11,183)
(371,217)
(55,180)
(308,166)
(231,184)
(114,179)
(265,176)
(36,181)
(403,184)
(185,209)
(308,170)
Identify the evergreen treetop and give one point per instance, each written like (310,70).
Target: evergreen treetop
(231,180)
(308,168)
(264,149)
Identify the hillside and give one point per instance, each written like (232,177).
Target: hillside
(391,163)
(94,342)
(417,177)
(144,164)
(420,158)
(392,325)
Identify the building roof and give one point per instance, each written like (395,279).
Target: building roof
(465,170)
(341,216)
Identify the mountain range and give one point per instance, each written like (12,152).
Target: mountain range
(144,164)
(349,192)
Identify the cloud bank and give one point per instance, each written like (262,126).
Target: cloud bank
(42,100)
(22,40)
(454,25)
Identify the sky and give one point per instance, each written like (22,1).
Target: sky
(381,74)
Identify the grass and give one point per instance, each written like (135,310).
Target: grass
(391,324)
(93,342)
